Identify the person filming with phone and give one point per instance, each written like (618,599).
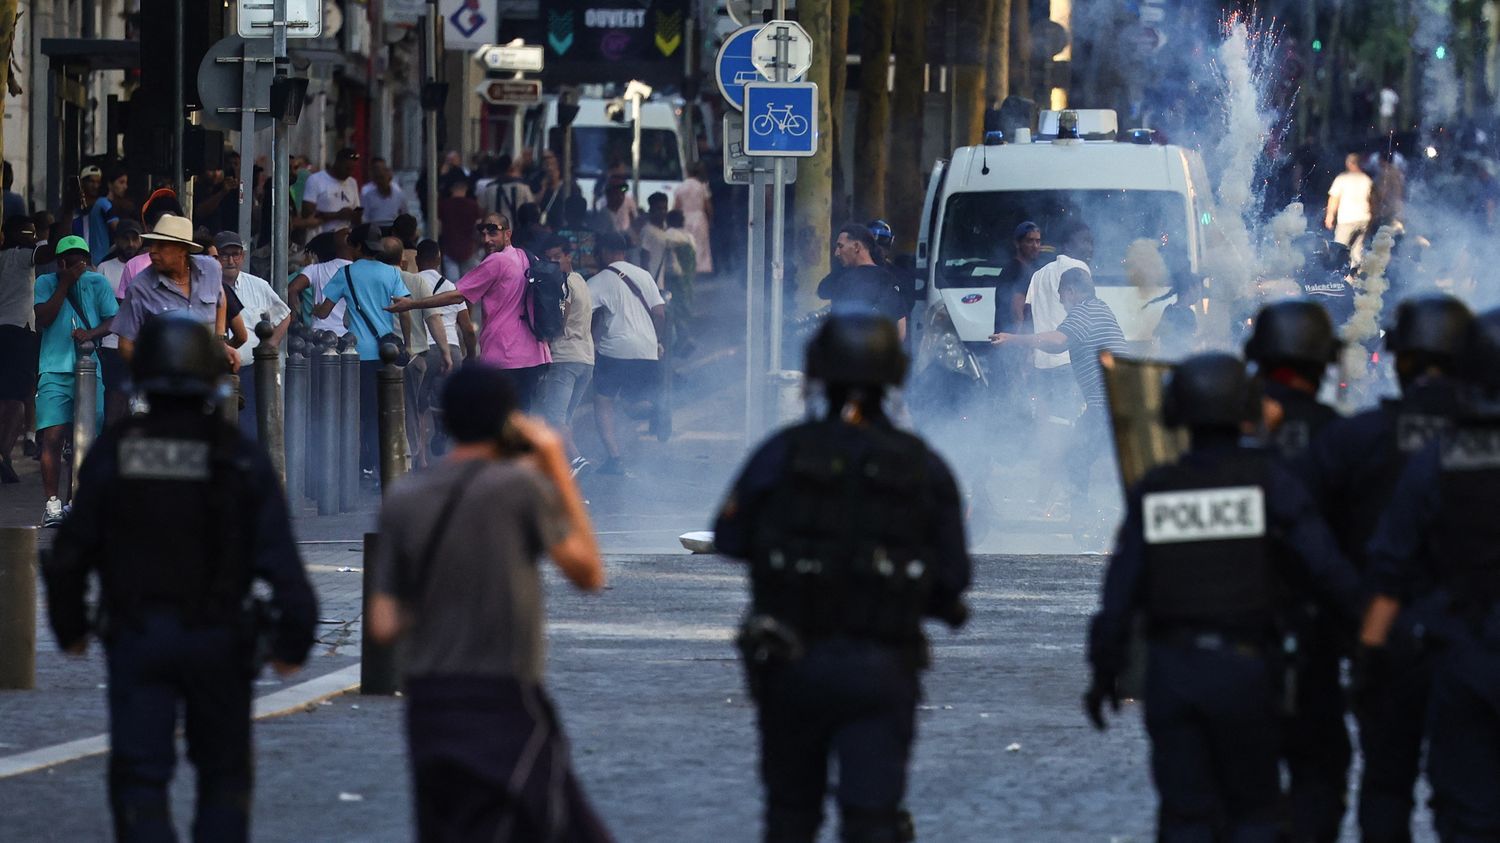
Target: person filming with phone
(458,584)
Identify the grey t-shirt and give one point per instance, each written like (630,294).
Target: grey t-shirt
(479,612)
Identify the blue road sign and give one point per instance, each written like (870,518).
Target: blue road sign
(733,68)
(781,119)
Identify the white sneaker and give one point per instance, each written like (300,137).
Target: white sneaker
(581,466)
(52,513)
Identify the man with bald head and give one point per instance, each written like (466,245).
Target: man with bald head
(425,333)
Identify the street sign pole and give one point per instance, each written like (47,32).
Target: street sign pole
(281,193)
(247,145)
(778,211)
(755,309)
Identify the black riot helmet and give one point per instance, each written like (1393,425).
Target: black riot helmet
(1209,390)
(1436,326)
(1293,332)
(176,356)
(857,350)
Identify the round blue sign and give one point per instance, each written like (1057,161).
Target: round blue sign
(733,68)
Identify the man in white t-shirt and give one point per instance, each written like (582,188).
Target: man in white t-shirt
(332,195)
(381,198)
(629,314)
(458,329)
(259,302)
(331,252)
(427,341)
(1348,212)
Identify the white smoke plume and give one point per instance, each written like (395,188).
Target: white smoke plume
(1439,101)
(1144,265)
(1280,257)
(1364,324)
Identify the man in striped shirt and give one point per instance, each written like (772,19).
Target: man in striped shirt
(1089,330)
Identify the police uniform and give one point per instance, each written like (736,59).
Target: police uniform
(1204,548)
(1441,529)
(853,534)
(1297,336)
(1354,465)
(178,514)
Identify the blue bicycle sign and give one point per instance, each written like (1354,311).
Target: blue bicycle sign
(781,119)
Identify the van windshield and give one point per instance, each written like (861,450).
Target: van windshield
(977,229)
(596,147)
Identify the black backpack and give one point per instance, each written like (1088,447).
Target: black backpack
(546,297)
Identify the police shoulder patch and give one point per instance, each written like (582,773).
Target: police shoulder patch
(146,458)
(1236,512)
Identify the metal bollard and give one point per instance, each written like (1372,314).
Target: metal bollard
(18,565)
(326,443)
(377,662)
(295,407)
(349,410)
(391,402)
(85,406)
(315,409)
(269,423)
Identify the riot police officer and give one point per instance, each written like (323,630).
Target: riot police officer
(1204,544)
(1440,528)
(854,532)
(178,514)
(1354,465)
(1292,345)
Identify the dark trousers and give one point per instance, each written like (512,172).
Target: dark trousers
(1317,747)
(853,700)
(1391,729)
(526,382)
(1463,751)
(490,762)
(1091,438)
(1212,720)
(369,416)
(248,424)
(152,669)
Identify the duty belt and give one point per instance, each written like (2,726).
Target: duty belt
(1210,641)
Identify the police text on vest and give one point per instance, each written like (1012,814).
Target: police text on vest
(1238,512)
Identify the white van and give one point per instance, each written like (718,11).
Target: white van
(599,141)
(1123,190)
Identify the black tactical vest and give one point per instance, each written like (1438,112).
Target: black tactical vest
(1466,538)
(841,547)
(1406,430)
(1208,560)
(176,517)
(1302,418)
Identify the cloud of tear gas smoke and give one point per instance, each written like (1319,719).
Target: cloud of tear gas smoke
(1280,257)
(1144,265)
(1369,303)
(1237,159)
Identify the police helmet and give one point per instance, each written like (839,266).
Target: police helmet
(176,355)
(1293,331)
(1209,390)
(1436,324)
(882,232)
(1480,363)
(857,349)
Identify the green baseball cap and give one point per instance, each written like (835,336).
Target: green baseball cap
(71,243)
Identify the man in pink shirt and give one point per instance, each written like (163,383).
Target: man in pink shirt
(498,284)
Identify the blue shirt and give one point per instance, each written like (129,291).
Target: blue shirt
(151,293)
(94,295)
(100,237)
(375,285)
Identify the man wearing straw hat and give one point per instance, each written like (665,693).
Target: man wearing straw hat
(178,279)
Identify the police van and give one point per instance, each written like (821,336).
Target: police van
(603,137)
(1076,168)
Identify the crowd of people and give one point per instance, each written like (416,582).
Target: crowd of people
(360,264)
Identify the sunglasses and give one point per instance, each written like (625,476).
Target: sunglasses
(489,228)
